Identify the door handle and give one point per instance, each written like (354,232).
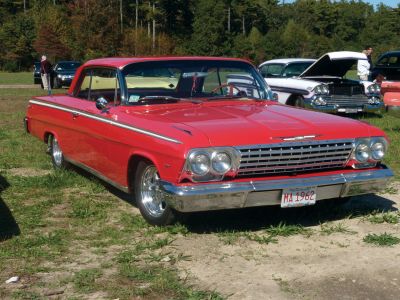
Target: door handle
(75,115)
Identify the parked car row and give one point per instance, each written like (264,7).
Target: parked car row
(185,134)
(62,73)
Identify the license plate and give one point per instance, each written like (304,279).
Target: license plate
(349,110)
(295,197)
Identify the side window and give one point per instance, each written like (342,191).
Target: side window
(100,82)
(389,60)
(273,70)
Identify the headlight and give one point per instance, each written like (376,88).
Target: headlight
(374,89)
(319,101)
(199,163)
(59,75)
(362,152)
(369,151)
(321,89)
(378,148)
(211,164)
(221,162)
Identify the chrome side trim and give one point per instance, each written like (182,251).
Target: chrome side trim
(202,197)
(97,174)
(105,120)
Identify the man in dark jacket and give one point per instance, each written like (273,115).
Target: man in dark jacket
(45,72)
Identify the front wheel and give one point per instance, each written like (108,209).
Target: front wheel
(57,156)
(298,101)
(149,198)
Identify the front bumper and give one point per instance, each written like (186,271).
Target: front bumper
(216,196)
(367,108)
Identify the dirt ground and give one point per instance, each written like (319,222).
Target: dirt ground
(321,266)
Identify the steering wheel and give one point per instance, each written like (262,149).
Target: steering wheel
(230,87)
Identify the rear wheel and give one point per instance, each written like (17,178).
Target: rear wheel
(57,156)
(149,198)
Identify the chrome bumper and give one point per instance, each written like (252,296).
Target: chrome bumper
(214,196)
(368,108)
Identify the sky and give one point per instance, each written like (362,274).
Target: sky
(392,3)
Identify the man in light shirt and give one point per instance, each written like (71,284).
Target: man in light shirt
(364,65)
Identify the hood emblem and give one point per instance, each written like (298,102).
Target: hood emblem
(298,138)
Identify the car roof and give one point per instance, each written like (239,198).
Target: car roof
(287,60)
(120,62)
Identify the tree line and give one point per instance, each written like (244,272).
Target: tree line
(254,29)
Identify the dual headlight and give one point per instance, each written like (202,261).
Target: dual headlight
(374,89)
(368,151)
(321,89)
(207,164)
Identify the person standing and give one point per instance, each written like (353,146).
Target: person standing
(45,72)
(363,67)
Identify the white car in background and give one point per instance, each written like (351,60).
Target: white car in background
(321,84)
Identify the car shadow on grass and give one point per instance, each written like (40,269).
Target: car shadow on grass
(8,225)
(257,218)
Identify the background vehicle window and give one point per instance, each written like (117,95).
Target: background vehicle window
(295,69)
(389,60)
(98,82)
(272,70)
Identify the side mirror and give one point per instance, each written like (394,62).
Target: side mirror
(101,104)
(275,97)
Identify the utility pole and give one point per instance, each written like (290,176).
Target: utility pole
(229,19)
(136,24)
(154,29)
(120,11)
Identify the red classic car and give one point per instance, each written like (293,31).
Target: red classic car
(185,134)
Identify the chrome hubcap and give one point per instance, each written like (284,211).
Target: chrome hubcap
(150,193)
(56,152)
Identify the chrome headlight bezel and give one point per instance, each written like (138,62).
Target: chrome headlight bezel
(368,152)
(215,163)
(321,89)
(374,89)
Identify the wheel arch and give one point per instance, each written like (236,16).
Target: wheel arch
(133,163)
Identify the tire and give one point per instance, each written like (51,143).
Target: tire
(57,156)
(148,197)
(298,101)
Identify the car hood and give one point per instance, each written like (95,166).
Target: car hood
(259,123)
(333,64)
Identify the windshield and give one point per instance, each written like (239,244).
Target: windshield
(68,65)
(210,79)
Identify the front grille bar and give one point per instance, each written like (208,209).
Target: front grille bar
(293,157)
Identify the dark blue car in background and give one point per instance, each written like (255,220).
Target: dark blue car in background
(64,72)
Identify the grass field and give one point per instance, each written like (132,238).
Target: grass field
(16,78)
(65,233)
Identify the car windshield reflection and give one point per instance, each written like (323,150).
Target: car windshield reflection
(205,79)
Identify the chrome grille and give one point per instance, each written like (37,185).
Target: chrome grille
(343,100)
(293,157)
(346,90)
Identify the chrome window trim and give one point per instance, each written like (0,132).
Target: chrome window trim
(104,120)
